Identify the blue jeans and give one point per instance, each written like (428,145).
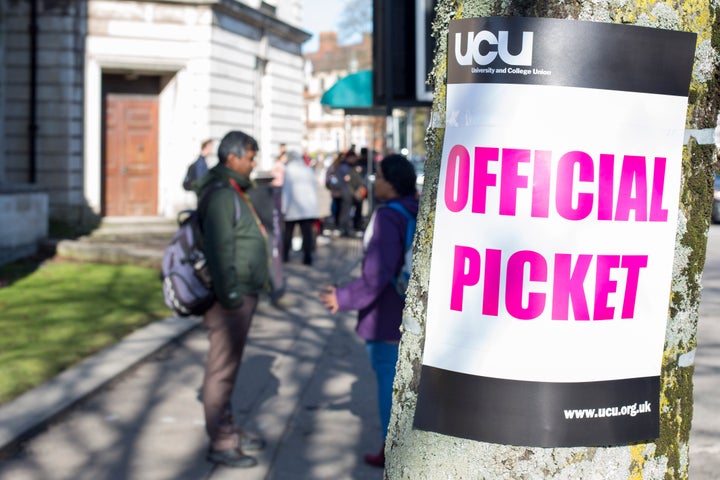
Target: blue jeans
(383,357)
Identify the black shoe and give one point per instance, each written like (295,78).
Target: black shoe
(251,444)
(231,458)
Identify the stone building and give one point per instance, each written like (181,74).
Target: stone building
(103,103)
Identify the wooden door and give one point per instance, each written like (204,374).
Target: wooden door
(130,186)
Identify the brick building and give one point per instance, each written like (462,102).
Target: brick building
(332,130)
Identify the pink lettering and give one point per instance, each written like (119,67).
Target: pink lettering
(633,264)
(537,272)
(457,182)
(491,290)
(632,193)
(566,181)
(657,213)
(604,286)
(606,178)
(530,288)
(569,286)
(482,177)
(512,181)
(466,272)
(580,185)
(541,184)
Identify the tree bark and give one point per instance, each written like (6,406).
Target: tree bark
(414,454)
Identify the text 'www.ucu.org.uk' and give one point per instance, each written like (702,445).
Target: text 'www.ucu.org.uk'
(626,410)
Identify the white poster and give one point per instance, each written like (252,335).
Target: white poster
(554,231)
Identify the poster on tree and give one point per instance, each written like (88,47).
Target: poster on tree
(553,247)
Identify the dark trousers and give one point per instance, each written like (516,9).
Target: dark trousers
(357,215)
(306,230)
(227,332)
(342,217)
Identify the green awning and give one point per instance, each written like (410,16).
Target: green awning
(350,92)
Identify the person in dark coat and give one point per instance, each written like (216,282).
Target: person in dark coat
(358,188)
(338,180)
(236,251)
(373,294)
(199,167)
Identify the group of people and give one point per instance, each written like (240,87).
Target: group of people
(346,180)
(237,253)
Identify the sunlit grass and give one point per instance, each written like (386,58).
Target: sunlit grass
(54,316)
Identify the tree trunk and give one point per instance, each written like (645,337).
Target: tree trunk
(415,454)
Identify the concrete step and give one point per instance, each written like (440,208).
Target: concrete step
(122,226)
(121,240)
(115,253)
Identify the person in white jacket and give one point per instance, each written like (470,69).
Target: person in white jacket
(299,205)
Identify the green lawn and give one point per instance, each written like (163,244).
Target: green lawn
(54,314)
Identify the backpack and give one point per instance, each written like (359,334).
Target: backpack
(186,281)
(402,279)
(333,182)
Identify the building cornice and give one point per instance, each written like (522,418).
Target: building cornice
(259,20)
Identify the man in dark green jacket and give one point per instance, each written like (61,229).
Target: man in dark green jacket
(237,255)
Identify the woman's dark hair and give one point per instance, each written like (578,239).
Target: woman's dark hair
(236,142)
(399,172)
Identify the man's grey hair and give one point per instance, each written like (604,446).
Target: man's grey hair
(237,143)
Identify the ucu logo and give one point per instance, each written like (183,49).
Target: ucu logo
(497,46)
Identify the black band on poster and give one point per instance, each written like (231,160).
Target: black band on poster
(572,53)
(538,414)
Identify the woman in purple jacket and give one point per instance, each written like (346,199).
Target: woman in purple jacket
(374,295)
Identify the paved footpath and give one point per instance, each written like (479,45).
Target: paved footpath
(305,385)
(705,433)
